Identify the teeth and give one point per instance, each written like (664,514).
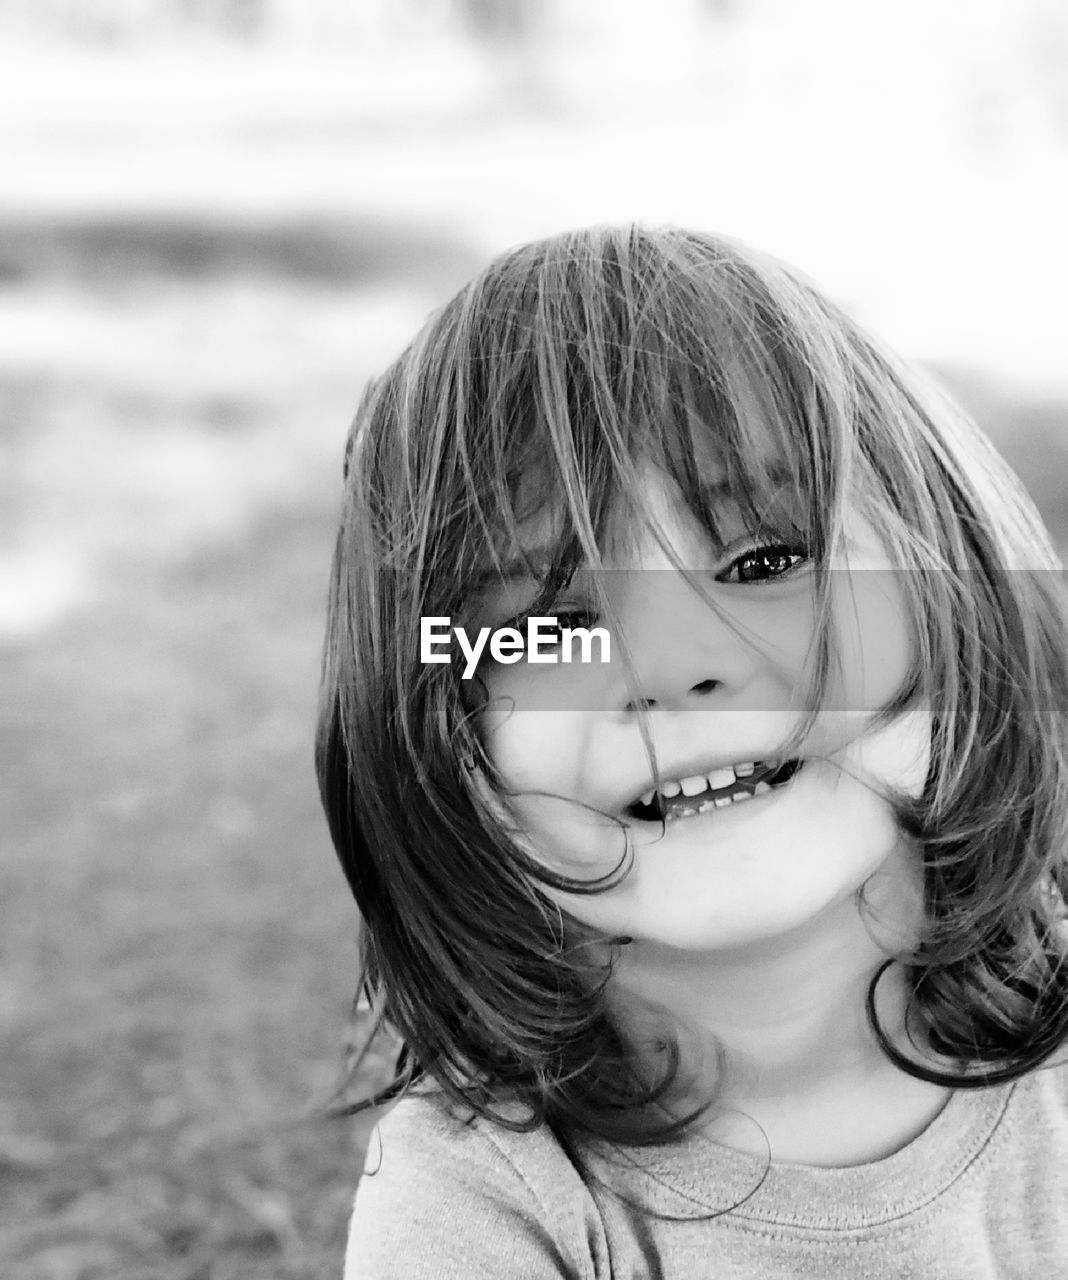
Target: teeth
(716,802)
(716,779)
(688,786)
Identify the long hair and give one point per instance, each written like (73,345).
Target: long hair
(542,384)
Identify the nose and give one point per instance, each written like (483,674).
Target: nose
(683,653)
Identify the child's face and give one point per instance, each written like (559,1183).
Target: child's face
(567,739)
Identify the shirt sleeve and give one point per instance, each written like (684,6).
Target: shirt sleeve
(441,1200)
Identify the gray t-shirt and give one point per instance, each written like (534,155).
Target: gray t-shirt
(981,1193)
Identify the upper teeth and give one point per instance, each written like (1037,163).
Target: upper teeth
(693,786)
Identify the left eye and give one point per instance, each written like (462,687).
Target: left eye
(763,563)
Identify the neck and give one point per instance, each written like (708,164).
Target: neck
(777,1033)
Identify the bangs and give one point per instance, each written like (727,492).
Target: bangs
(580,361)
(518,430)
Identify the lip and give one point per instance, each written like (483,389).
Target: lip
(673,816)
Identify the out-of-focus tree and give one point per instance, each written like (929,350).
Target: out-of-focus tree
(511,30)
(1016,58)
(1049,39)
(236,17)
(508,21)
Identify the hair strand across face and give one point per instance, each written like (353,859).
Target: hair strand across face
(516,426)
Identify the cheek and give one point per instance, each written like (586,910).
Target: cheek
(899,754)
(874,639)
(539,756)
(544,759)
(530,748)
(876,647)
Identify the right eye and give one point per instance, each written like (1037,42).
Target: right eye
(566,619)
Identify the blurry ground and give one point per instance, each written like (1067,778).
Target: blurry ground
(193,286)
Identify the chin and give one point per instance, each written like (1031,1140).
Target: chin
(743,877)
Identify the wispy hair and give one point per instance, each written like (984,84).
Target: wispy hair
(545,385)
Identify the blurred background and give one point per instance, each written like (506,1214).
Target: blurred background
(217,218)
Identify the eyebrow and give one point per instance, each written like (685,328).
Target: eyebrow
(719,490)
(778,476)
(525,566)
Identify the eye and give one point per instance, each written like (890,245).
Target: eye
(566,619)
(763,563)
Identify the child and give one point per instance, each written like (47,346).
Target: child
(729,941)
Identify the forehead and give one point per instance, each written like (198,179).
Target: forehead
(721,440)
(742,466)
(713,509)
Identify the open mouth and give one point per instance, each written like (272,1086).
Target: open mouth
(719,789)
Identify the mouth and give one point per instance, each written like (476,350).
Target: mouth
(733,784)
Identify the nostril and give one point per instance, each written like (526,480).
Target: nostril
(641,704)
(705,686)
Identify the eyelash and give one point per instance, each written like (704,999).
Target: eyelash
(573,617)
(796,555)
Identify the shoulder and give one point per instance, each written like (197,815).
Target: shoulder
(446,1197)
(1031,1135)
(1027,1208)
(1042,1095)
